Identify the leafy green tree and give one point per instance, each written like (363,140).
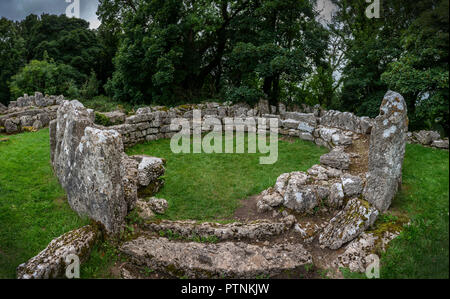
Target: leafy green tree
(46,77)
(12,55)
(370,45)
(277,44)
(422,72)
(66,40)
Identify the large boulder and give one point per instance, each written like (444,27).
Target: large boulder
(386,151)
(221,260)
(348,224)
(88,164)
(300,195)
(51,262)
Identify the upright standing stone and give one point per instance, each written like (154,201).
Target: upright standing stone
(386,151)
(88,164)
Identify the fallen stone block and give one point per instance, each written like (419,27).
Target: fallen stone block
(348,224)
(51,262)
(221,260)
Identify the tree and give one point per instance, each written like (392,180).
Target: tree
(181,50)
(12,55)
(66,40)
(47,77)
(370,45)
(422,72)
(277,44)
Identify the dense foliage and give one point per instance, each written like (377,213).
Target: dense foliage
(176,51)
(405,50)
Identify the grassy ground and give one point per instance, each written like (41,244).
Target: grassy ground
(209,186)
(33,209)
(422,249)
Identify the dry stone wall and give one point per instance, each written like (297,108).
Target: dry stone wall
(29,113)
(105,184)
(330,128)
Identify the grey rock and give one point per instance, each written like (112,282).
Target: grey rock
(357,252)
(37,125)
(88,164)
(307,118)
(336,198)
(144,209)
(221,260)
(129,173)
(115,117)
(353,185)
(341,139)
(290,124)
(306,136)
(149,169)
(386,151)
(26,121)
(271,198)
(158,205)
(348,224)
(259,229)
(11,126)
(298,195)
(337,158)
(443,143)
(51,262)
(426,137)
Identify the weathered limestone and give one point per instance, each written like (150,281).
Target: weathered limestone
(144,210)
(352,185)
(158,205)
(29,112)
(149,169)
(442,144)
(255,230)
(426,137)
(51,262)
(129,173)
(88,164)
(337,158)
(114,117)
(348,224)
(221,260)
(346,121)
(386,152)
(336,198)
(357,254)
(300,196)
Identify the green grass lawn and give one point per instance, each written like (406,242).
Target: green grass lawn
(33,209)
(209,186)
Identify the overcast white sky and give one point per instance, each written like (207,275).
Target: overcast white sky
(19,9)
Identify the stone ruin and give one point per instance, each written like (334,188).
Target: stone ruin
(29,113)
(322,216)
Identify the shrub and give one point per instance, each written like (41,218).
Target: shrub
(46,77)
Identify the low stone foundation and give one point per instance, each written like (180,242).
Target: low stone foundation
(105,184)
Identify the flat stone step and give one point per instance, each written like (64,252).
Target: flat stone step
(255,230)
(220,260)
